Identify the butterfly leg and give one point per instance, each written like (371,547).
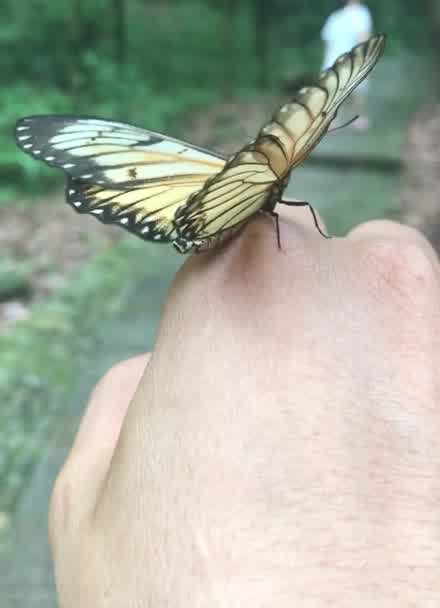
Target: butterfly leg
(295,203)
(276,217)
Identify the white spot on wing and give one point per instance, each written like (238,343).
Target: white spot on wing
(124,220)
(24,137)
(87,175)
(49,158)
(97,211)
(145,230)
(27,146)
(77,203)
(68,166)
(22,128)
(85,125)
(157,237)
(37,151)
(72,191)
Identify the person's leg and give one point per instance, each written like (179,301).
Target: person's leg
(359,104)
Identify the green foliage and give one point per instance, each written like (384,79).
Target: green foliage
(14,279)
(149,62)
(405,21)
(69,57)
(297,27)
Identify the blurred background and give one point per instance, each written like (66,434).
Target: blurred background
(76,296)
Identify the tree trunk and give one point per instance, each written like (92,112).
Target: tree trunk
(120,33)
(77,70)
(434,13)
(262,37)
(230,45)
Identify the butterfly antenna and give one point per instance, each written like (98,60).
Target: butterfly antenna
(346,124)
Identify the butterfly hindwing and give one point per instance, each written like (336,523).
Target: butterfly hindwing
(147,211)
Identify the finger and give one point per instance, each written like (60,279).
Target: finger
(225,307)
(386,230)
(92,451)
(109,402)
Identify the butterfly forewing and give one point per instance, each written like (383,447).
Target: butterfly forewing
(119,173)
(308,117)
(109,153)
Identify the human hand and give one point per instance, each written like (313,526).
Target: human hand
(281,448)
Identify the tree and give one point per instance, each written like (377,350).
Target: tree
(120,32)
(262,16)
(433,10)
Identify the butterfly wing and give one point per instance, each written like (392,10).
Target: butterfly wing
(300,125)
(109,153)
(256,176)
(146,211)
(229,199)
(119,173)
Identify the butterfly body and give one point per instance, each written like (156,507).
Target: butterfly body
(166,190)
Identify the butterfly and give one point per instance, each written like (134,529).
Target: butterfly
(165,190)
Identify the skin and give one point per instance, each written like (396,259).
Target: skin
(281,448)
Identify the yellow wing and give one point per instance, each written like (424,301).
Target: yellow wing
(300,125)
(227,200)
(255,178)
(119,173)
(110,153)
(147,211)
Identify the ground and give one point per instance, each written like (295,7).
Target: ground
(419,197)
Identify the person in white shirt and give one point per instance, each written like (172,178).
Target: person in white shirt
(344,29)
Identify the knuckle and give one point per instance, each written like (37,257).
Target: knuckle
(402,268)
